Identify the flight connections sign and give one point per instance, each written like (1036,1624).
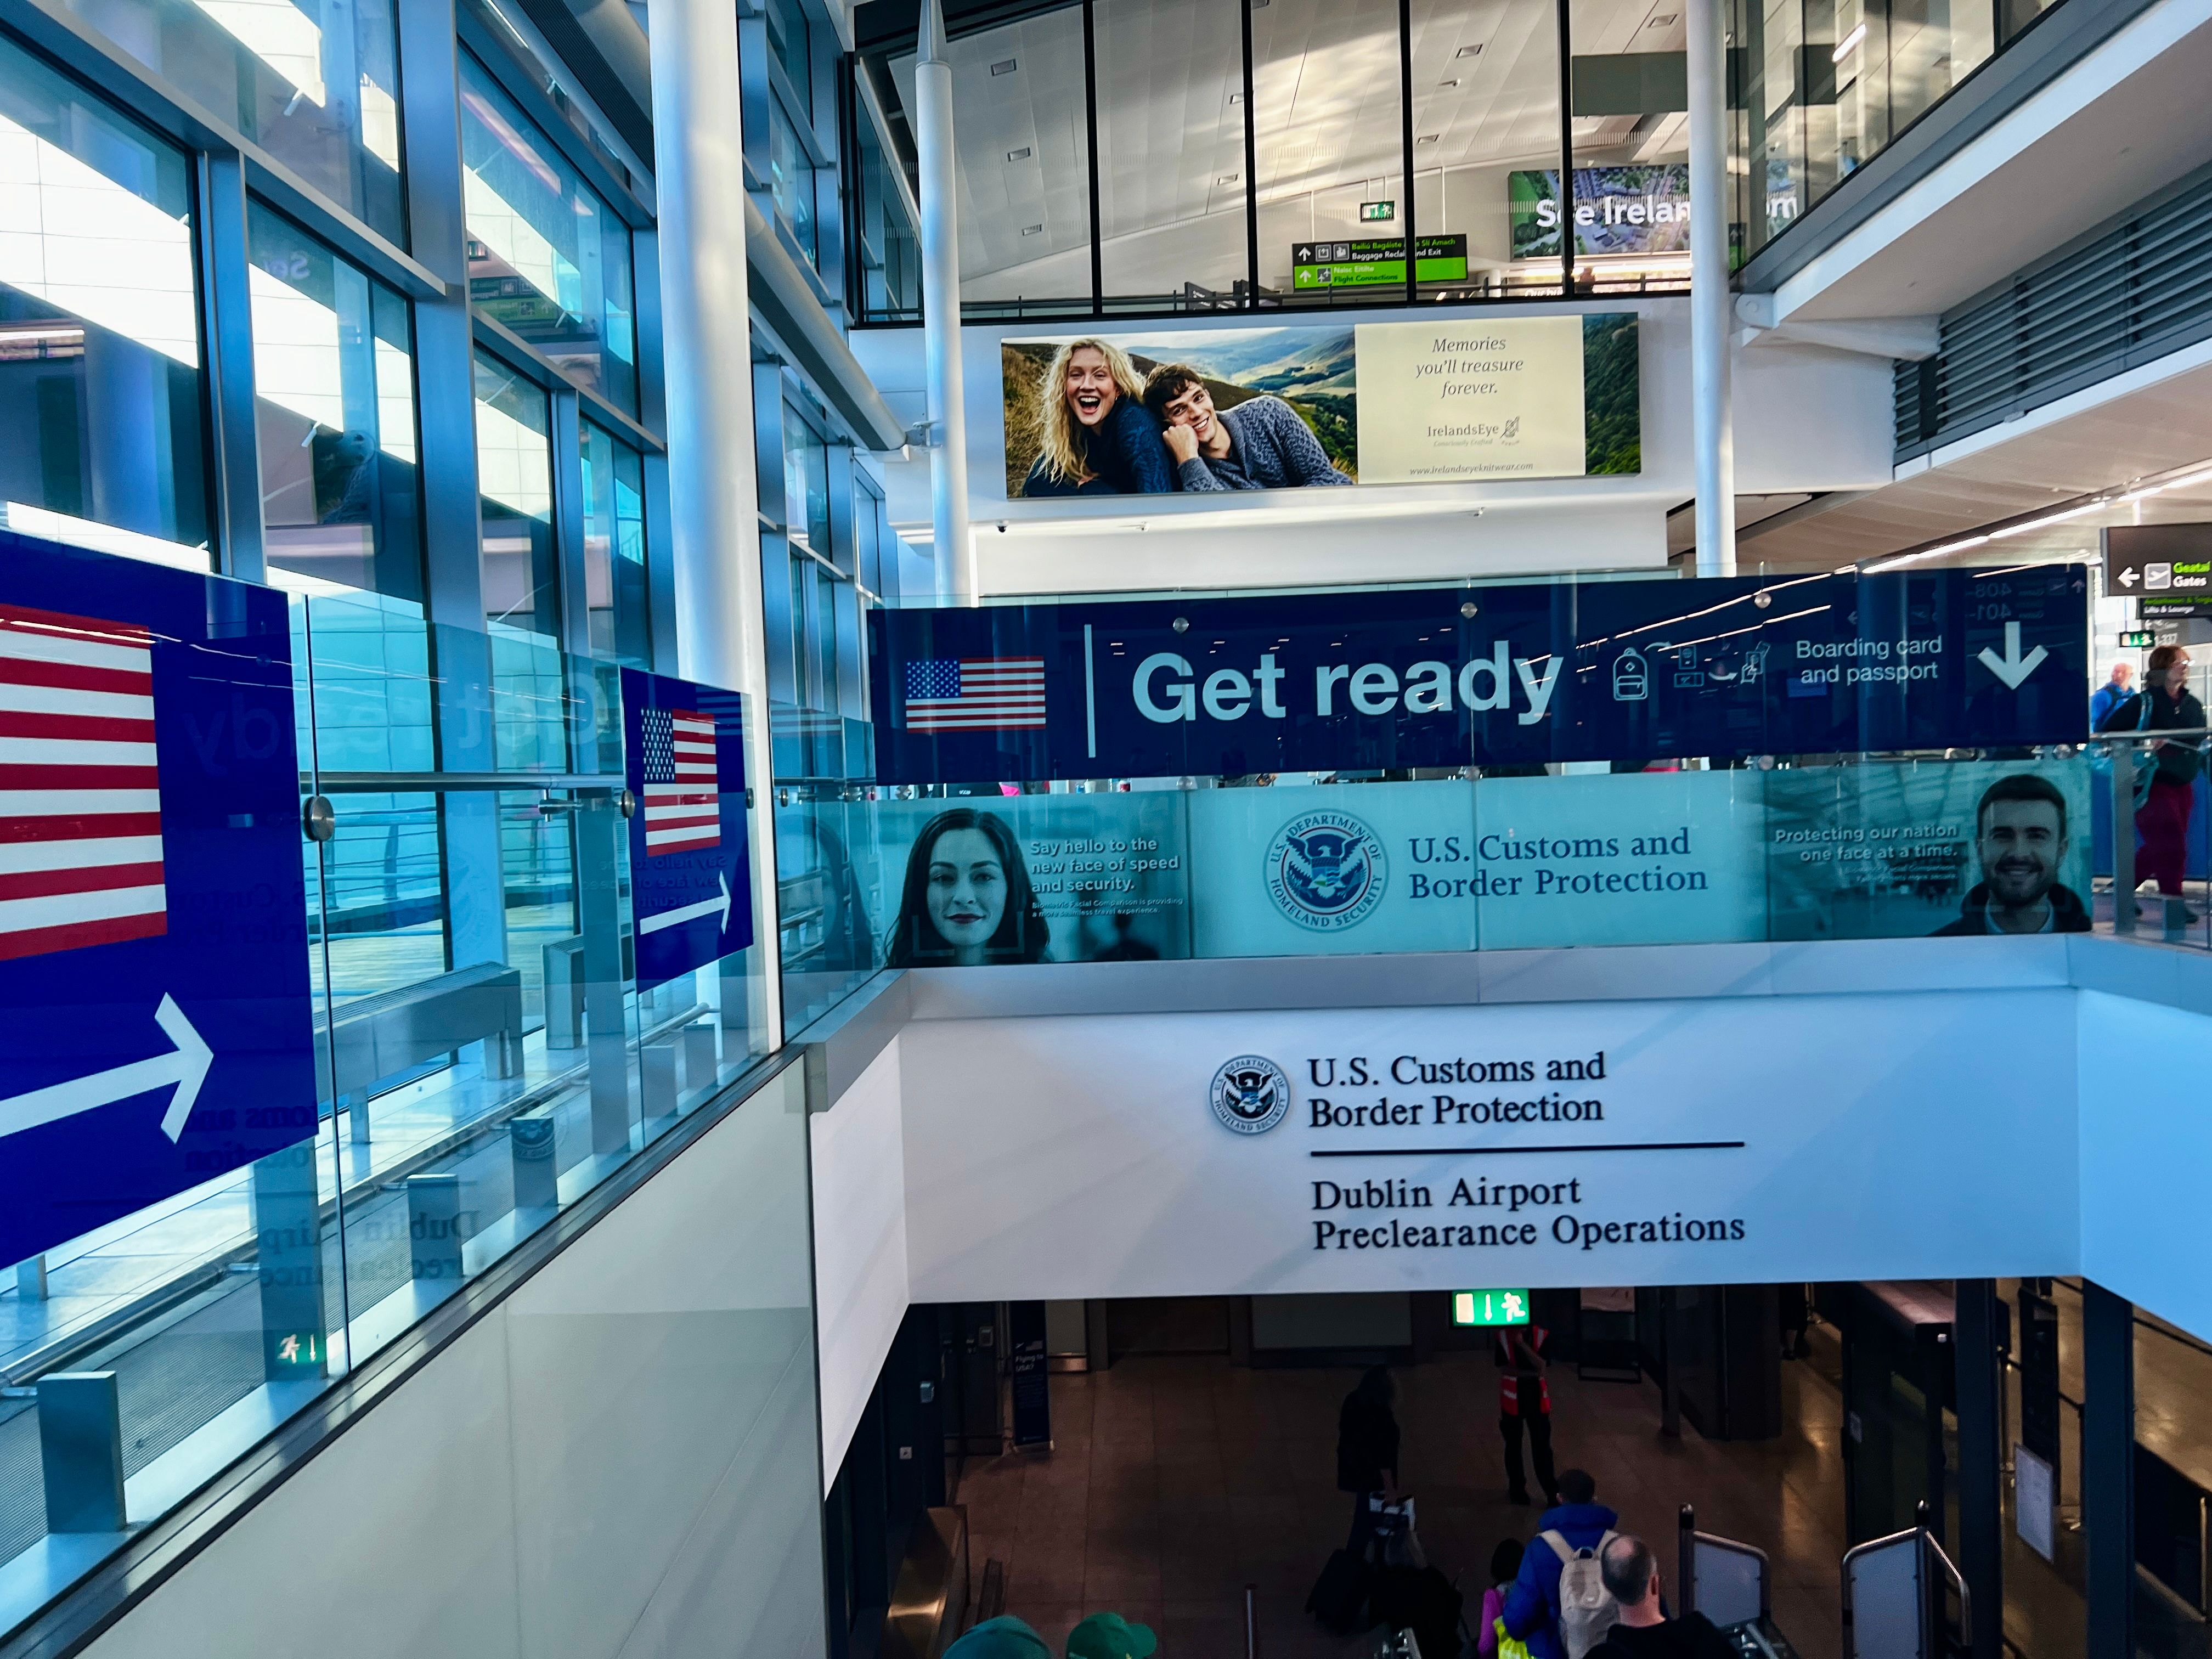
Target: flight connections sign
(156,1025)
(1493,676)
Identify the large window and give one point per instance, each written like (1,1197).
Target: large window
(334,380)
(100,341)
(1171,185)
(515,484)
(313,82)
(614,547)
(548,256)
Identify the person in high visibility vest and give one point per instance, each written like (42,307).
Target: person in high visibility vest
(1524,1409)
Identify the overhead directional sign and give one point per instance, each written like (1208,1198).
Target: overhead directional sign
(155,1020)
(690,869)
(1612,670)
(2168,567)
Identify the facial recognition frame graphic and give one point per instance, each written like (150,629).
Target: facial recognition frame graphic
(691,898)
(147,725)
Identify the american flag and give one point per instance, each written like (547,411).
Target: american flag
(80,788)
(974,694)
(682,784)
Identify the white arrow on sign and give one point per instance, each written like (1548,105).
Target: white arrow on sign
(2128,577)
(2012,668)
(186,1066)
(692,912)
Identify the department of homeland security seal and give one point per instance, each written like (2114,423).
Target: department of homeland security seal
(1250,1094)
(1325,870)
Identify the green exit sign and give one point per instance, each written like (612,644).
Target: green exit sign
(1374,212)
(2139,639)
(1490,1307)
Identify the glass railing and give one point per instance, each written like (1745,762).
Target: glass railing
(465,965)
(2160,876)
(1799,848)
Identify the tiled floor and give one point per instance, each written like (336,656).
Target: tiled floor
(1176,1481)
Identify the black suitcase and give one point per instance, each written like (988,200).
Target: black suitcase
(1339,1598)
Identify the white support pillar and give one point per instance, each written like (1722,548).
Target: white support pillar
(1711,305)
(940,311)
(714,489)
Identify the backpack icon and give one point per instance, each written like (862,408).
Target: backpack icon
(1587,1611)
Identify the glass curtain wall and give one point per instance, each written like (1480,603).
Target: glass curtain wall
(615,583)
(514,482)
(1631,146)
(548,255)
(1487,148)
(100,330)
(1171,172)
(884,252)
(1024,165)
(1328,129)
(315,84)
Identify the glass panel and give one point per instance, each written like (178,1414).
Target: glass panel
(1486,145)
(1171,153)
(805,483)
(614,547)
(1025,161)
(1631,160)
(787,42)
(99,346)
(888,257)
(514,482)
(790,178)
(547,256)
(313,82)
(553,80)
(1328,129)
(334,384)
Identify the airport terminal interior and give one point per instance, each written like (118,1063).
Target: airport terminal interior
(1084,829)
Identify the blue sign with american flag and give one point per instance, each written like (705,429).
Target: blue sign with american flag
(974,694)
(156,1024)
(691,875)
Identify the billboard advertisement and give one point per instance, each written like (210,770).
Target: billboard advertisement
(1225,411)
(1635,209)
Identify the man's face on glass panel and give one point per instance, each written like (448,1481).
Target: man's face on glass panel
(2022,844)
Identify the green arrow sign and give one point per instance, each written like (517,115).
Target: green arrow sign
(1490,1307)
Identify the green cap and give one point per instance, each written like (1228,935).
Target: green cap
(1109,1635)
(1005,1638)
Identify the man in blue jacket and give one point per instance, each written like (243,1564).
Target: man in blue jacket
(1532,1605)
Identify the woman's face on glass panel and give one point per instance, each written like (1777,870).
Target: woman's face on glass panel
(967,888)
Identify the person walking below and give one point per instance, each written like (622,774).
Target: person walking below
(1367,1449)
(2110,694)
(1641,1628)
(1524,1408)
(2165,704)
(1580,1522)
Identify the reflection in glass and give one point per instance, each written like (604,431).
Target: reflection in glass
(547,255)
(887,253)
(1329,137)
(315,84)
(100,354)
(806,483)
(790,179)
(1171,152)
(1023,164)
(333,376)
(515,484)
(1630,193)
(614,547)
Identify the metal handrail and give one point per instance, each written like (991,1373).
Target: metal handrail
(1927,1542)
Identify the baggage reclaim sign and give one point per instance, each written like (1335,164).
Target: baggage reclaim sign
(1631,671)
(1374,262)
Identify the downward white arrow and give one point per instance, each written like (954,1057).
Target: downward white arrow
(2012,668)
(692,912)
(186,1066)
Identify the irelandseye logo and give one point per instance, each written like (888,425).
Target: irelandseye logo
(1249,1094)
(1325,870)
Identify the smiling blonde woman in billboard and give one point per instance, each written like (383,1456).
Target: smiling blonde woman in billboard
(1095,436)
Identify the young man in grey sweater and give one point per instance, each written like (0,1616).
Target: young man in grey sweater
(1261,444)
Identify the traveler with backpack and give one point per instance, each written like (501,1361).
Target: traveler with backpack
(1559,1605)
(1642,1629)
